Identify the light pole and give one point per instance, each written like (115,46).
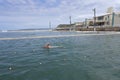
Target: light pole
(94,18)
(86,22)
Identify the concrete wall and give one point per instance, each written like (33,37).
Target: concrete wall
(100,29)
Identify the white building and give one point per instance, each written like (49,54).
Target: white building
(110,19)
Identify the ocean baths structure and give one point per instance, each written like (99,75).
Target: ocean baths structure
(106,22)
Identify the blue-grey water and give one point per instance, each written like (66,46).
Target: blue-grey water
(92,57)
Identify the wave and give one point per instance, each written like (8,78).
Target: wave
(58,36)
(53,36)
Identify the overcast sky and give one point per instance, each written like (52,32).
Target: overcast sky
(18,14)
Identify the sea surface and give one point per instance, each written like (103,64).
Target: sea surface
(81,57)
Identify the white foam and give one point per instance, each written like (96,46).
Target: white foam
(10,68)
(58,36)
(55,46)
(40,63)
(35,37)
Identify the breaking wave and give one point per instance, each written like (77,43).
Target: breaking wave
(53,36)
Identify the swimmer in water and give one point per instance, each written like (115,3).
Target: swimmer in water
(47,46)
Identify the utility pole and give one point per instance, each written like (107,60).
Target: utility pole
(70,20)
(70,23)
(49,25)
(94,18)
(86,22)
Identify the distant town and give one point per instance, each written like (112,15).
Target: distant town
(107,22)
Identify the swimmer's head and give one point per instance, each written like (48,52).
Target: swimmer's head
(48,44)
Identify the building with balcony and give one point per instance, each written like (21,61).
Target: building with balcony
(110,19)
(104,20)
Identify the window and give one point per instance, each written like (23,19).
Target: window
(105,18)
(100,18)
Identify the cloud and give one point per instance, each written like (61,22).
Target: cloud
(40,12)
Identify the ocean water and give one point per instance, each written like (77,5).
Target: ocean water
(91,57)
